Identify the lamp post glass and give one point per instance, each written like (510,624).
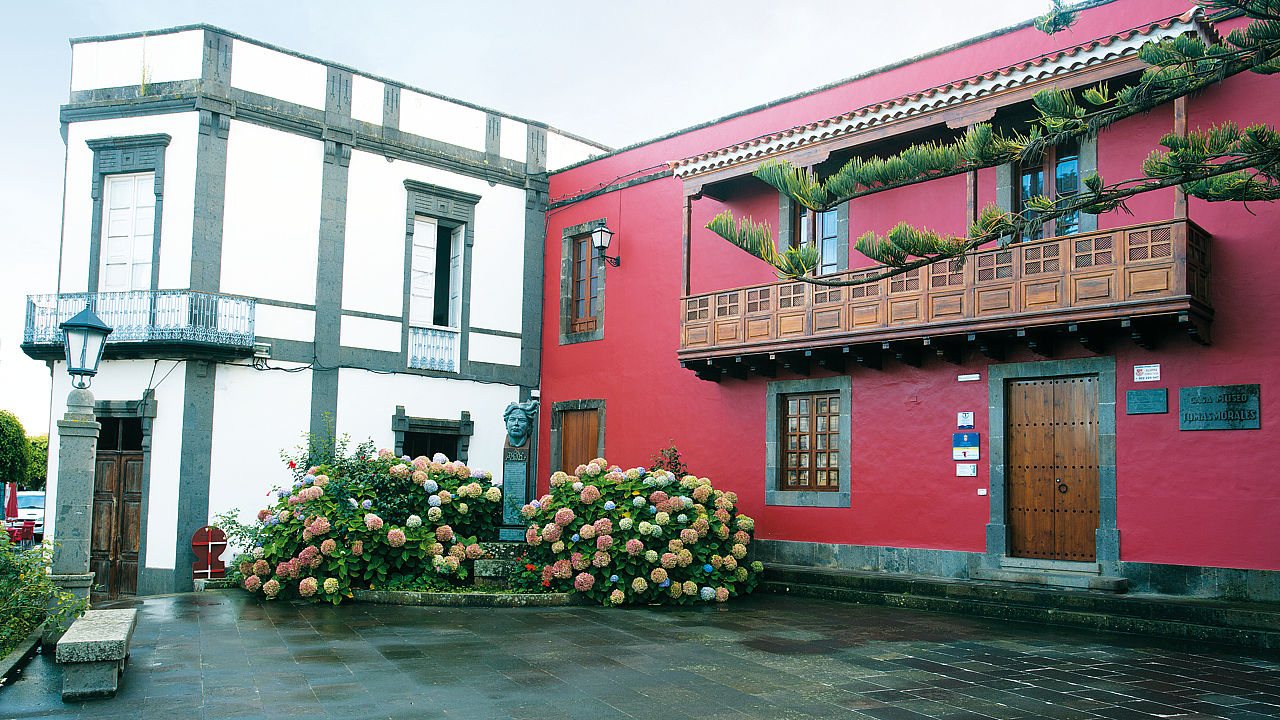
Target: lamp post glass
(85,336)
(600,238)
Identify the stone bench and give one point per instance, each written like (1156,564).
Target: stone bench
(93,652)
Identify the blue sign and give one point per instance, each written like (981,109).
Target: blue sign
(964,446)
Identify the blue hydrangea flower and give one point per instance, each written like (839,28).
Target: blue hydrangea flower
(306,479)
(652,509)
(297,484)
(406,458)
(682,518)
(609,505)
(665,583)
(434,501)
(639,501)
(366,504)
(535,503)
(431,486)
(613,578)
(706,569)
(439,458)
(708,593)
(353,502)
(575,537)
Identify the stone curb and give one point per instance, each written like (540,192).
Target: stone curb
(513,600)
(11,664)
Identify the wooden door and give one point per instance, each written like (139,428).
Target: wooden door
(1052,470)
(579,430)
(117,509)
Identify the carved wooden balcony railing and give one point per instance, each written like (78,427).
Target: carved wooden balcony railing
(1131,275)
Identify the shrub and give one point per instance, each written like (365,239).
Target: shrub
(15,453)
(27,593)
(637,536)
(367,520)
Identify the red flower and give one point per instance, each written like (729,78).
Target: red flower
(292,465)
(530,568)
(546,583)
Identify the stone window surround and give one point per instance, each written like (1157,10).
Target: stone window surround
(787,229)
(450,208)
(1108,534)
(119,156)
(558,408)
(566,285)
(808,498)
(463,427)
(1007,182)
(144,409)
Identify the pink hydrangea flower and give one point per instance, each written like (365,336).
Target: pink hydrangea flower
(604,542)
(617,597)
(589,494)
(271,588)
(474,551)
(639,585)
(561,569)
(261,567)
(669,560)
(329,546)
(308,586)
(658,496)
(601,559)
(461,470)
(532,536)
(357,548)
(459,551)
(701,493)
(688,536)
(690,587)
(583,582)
(716,561)
(384,454)
(252,583)
(739,551)
(320,526)
(435,549)
(421,462)
(579,561)
(604,526)
(395,537)
(399,471)
(657,575)
(580,470)
(676,590)
(722,594)
(373,522)
(730,562)
(742,538)
(444,533)
(420,477)
(722,532)
(634,547)
(564,516)
(586,532)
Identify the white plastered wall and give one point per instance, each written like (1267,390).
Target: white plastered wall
(271,219)
(245,453)
(126,380)
(132,61)
(366,99)
(279,75)
(442,120)
(373,264)
(493,349)
(366,402)
(179,195)
(513,141)
(563,150)
(370,333)
(273,321)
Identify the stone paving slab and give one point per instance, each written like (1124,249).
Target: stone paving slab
(224,654)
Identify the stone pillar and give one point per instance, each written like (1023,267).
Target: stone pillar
(73,519)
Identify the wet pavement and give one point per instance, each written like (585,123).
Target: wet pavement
(223,654)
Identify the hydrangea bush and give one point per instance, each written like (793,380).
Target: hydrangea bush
(637,536)
(369,520)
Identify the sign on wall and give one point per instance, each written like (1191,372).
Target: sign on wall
(1220,407)
(1147,402)
(964,446)
(1146,373)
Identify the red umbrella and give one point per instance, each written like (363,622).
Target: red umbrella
(11,501)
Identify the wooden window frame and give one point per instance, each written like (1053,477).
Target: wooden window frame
(585,273)
(839,493)
(808,434)
(1047,167)
(802,216)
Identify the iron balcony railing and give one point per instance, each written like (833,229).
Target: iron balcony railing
(142,316)
(433,348)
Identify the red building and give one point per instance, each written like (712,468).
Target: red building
(1101,364)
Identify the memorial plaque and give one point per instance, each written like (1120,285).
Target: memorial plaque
(1147,402)
(515,478)
(1220,407)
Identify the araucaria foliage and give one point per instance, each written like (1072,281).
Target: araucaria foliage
(1222,163)
(368,520)
(638,536)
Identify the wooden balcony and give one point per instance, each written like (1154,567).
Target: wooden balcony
(1136,280)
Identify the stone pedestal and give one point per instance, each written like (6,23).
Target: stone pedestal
(73,511)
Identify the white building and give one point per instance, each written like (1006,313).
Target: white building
(282,245)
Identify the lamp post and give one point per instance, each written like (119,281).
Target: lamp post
(85,336)
(600,237)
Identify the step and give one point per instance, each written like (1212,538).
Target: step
(1205,618)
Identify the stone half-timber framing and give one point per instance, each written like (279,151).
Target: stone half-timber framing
(287,245)
(1042,342)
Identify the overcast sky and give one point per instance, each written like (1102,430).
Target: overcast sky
(616,72)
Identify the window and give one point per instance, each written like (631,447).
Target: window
(423,436)
(435,274)
(821,228)
(810,441)
(1056,176)
(582,286)
(128,226)
(807,442)
(586,281)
